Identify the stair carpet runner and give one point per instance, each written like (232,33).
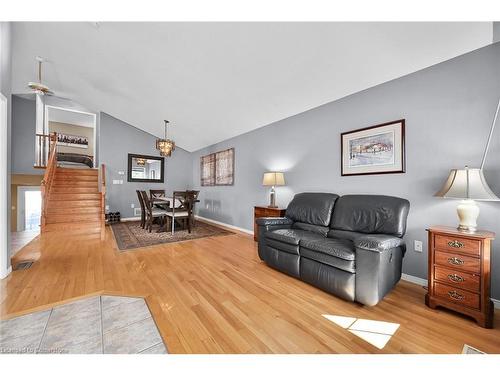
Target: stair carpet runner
(75,201)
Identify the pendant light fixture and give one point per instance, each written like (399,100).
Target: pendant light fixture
(166,146)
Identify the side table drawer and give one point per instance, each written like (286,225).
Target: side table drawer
(456,295)
(456,244)
(457,278)
(458,262)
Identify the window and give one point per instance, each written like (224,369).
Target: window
(217,169)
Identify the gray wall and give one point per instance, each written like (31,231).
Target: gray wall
(448,110)
(117,139)
(5,89)
(23,133)
(496,32)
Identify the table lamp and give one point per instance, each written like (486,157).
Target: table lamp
(273,179)
(469,185)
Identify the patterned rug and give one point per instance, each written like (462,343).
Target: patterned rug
(129,234)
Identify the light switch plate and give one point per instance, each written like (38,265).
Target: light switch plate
(132,205)
(418,246)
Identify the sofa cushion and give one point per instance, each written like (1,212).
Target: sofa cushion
(371,214)
(312,228)
(342,264)
(312,208)
(282,246)
(343,249)
(291,236)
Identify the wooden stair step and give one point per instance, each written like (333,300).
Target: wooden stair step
(77,171)
(73,189)
(75,177)
(72,210)
(73,204)
(74,183)
(74,196)
(74,228)
(74,218)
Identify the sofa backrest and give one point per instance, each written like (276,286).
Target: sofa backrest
(371,214)
(312,208)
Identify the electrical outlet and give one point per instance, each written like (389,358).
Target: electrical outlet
(417,246)
(107,207)
(132,205)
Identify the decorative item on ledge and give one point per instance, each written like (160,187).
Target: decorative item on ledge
(166,146)
(273,179)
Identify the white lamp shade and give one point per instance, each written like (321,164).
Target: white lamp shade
(273,179)
(468,183)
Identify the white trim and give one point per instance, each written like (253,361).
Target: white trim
(133,218)
(5,273)
(414,279)
(224,224)
(4,210)
(496,303)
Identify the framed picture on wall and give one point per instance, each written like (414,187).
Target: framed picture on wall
(217,169)
(376,149)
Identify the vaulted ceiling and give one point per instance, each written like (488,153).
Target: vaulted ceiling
(214,81)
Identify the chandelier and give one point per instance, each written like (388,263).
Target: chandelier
(166,146)
(141,162)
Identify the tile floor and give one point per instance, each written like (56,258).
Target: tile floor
(102,324)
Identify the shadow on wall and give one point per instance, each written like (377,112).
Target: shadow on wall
(212,208)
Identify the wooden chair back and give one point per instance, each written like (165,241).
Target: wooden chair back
(156,193)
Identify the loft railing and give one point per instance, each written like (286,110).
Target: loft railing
(48,178)
(102,177)
(43,148)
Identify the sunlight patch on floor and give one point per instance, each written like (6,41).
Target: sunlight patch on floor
(374,332)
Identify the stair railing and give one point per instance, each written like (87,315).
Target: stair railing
(102,189)
(48,178)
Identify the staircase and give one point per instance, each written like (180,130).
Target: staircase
(75,202)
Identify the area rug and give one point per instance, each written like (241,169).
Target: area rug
(129,234)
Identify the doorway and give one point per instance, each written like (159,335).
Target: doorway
(29,208)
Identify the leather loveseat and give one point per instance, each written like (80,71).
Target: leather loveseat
(349,246)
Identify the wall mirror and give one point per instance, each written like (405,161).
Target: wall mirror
(145,168)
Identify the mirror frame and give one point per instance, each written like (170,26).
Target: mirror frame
(129,168)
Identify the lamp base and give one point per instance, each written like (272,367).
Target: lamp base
(468,212)
(272,198)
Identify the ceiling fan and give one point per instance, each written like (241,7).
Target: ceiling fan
(39,87)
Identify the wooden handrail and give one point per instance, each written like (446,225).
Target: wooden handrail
(103,200)
(48,177)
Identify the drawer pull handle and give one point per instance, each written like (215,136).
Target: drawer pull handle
(456,261)
(453,294)
(454,277)
(456,244)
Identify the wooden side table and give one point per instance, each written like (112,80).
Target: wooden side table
(262,211)
(459,272)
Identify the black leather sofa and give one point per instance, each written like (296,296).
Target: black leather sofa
(349,246)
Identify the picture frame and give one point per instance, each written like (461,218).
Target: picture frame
(378,149)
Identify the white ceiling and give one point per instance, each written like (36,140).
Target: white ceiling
(214,81)
(71,117)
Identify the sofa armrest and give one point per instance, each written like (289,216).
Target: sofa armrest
(266,221)
(378,242)
(267,224)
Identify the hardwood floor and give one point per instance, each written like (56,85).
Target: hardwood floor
(214,295)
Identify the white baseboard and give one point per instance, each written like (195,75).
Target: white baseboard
(6,273)
(224,224)
(414,279)
(133,218)
(423,282)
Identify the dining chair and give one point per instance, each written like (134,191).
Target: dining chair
(183,211)
(143,209)
(194,199)
(152,212)
(156,194)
